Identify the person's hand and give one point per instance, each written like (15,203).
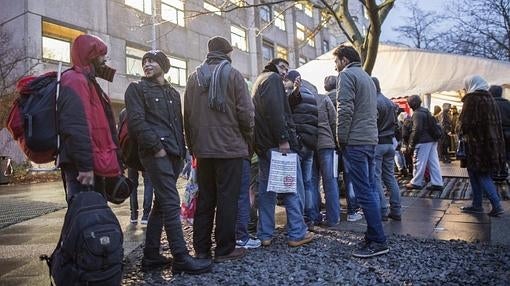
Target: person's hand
(297,83)
(86,178)
(161,153)
(284,147)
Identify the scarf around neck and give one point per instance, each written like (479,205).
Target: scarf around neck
(216,81)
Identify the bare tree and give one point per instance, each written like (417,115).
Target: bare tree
(480,28)
(11,62)
(366,43)
(420,27)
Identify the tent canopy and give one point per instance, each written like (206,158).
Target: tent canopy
(405,71)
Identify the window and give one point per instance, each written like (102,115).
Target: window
(212,8)
(300,31)
(134,61)
(56,41)
(308,9)
(173,11)
(282,52)
(238,38)
(302,61)
(279,20)
(267,51)
(265,13)
(177,72)
(302,34)
(141,5)
(325,46)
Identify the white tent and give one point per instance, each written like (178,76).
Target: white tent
(404,71)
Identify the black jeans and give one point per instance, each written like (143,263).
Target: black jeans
(163,173)
(219,182)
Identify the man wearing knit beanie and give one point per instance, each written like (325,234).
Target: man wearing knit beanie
(159,57)
(154,117)
(219,44)
(218,123)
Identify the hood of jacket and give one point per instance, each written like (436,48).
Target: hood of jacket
(85,49)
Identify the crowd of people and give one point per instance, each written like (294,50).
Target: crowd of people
(223,125)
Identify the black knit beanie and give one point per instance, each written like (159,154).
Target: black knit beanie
(219,44)
(159,57)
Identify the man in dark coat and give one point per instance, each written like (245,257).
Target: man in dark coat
(504,109)
(275,131)
(218,123)
(155,119)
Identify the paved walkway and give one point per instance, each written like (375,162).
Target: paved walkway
(22,243)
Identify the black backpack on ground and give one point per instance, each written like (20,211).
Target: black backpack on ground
(89,251)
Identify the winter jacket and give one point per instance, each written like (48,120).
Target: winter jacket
(504,109)
(327,123)
(215,134)
(357,107)
(86,123)
(480,126)
(273,118)
(305,115)
(386,119)
(154,117)
(420,133)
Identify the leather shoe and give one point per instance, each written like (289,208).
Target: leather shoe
(155,261)
(435,188)
(187,264)
(410,186)
(306,239)
(395,217)
(235,254)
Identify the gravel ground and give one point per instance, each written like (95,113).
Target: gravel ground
(327,260)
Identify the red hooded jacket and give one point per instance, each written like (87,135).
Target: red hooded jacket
(86,123)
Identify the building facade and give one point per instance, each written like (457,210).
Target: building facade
(44,31)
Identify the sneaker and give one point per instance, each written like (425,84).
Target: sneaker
(306,239)
(496,212)
(471,209)
(145,219)
(410,186)
(370,249)
(134,218)
(355,216)
(435,188)
(235,254)
(249,244)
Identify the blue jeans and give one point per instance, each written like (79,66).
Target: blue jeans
(243,204)
(481,182)
(352,202)
(360,160)
(148,192)
(323,165)
(309,197)
(385,174)
(296,228)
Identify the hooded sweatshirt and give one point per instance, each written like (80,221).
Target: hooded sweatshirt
(86,122)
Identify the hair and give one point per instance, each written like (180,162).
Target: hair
(330,83)
(348,52)
(276,61)
(414,101)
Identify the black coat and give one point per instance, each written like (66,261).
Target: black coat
(155,118)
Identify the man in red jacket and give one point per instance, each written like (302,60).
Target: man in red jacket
(88,152)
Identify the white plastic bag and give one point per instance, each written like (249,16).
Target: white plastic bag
(282,173)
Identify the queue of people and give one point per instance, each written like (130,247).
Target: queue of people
(223,126)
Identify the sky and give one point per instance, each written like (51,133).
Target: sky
(398,13)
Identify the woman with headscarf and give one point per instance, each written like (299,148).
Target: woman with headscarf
(480,126)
